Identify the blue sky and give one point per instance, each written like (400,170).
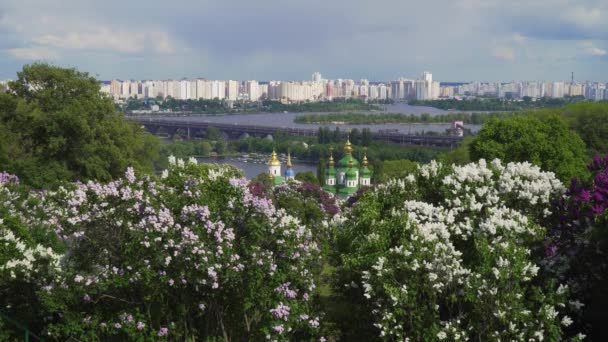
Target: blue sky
(458,40)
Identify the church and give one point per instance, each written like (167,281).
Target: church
(343,180)
(346,179)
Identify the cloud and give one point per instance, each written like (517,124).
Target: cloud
(277,39)
(595,51)
(34,53)
(124,41)
(504,52)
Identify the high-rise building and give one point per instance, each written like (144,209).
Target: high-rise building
(253,90)
(232,90)
(218,90)
(316,77)
(427,76)
(558,90)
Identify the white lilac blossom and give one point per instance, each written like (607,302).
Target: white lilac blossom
(460,236)
(153,238)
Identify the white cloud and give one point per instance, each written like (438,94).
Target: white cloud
(593,50)
(504,52)
(126,41)
(597,51)
(34,53)
(585,16)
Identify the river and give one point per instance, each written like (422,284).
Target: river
(253,169)
(286,120)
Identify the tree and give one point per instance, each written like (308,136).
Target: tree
(213,133)
(205,148)
(64,128)
(355,136)
(588,119)
(321,170)
(459,155)
(547,143)
(307,177)
(396,169)
(366,137)
(337,137)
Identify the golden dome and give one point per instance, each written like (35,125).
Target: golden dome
(288,159)
(364,157)
(331,157)
(274,161)
(348,147)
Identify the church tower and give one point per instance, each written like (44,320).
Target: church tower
(274,168)
(366,175)
(330,178)
(289,173)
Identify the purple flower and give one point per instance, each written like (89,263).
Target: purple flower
(163,331)
(281,311)
(117,325)
(584,195)
(140,325)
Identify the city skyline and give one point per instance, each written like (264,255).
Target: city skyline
(461,41)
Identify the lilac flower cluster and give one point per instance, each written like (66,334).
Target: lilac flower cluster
(195,235)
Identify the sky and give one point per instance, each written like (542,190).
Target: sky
(456,40)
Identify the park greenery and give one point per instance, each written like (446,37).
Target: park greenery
(463,247)
(397,118)
(496,104)
(217,106)
(55,125)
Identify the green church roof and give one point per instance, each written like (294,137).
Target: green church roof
(365,172)
(343,163)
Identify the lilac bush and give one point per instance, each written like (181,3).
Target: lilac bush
(192,254)
(448,254)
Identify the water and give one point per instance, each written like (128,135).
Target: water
(286,120)
(252,169)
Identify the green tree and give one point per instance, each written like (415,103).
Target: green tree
(588,119)
(459,155)
(307,177)
(366,137)
(391,169)
(64,128)
(321,170)
(337,137)
(205,148)
(547,143)
(213,133)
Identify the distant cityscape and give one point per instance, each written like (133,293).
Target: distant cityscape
(320,89)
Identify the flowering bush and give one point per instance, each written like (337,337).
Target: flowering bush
(192,254)
(576,248)
(29,258)
(449,253)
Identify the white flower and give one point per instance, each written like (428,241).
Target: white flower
(566,321)
(172,160)
(442,335)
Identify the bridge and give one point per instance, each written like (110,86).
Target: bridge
(192,129)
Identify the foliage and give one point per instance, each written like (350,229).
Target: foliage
(391,169)
(496,104)
(215,106)
(192,254)
(460,155)
(307,177)
(588,119)
(398,118)
(449,253)
(60,127)
(547,143)
(576,248)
